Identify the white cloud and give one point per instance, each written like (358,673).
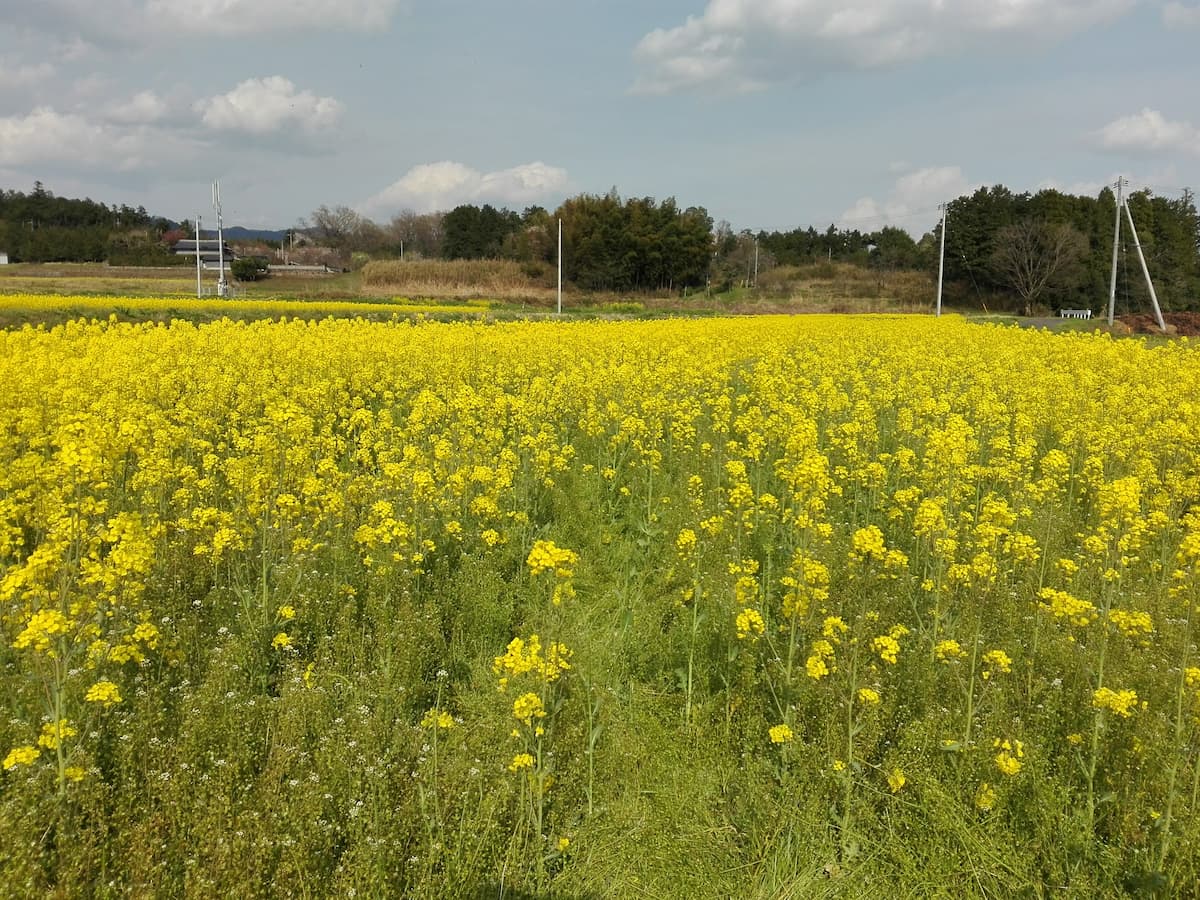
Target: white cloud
(244,16)
(45,135)
(912,201)
(262,106)
(1177,14)
(1150,132)
(742,44)
(16,75)
(446,184)
(121,20)
(141,109)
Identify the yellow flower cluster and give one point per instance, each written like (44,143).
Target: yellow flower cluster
(521,761)
(545,556)
(21,756)
(1008,759)
(820,661)
(1132,623)
(996,662)
(888,648)
(437,718)
(949,651)
(526,657)
(1062,605)
(528,707)
(1123,703)
(43,626)
(780,734)
(749,624)
(103,692)
(868,696)
(54,733)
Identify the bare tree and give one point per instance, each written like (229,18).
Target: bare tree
(336,227)
(1034,255)
(420,232)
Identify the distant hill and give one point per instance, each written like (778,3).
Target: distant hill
(238,233)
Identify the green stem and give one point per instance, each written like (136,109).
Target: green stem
(848,792)
(1180,693)
(687,706)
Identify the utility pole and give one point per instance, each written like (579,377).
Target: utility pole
(1158,316)
(1112,285)
(756,262)
(222,287)
(199,288)
(560,267)
(942,259)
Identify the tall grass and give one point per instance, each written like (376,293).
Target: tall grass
(458,277)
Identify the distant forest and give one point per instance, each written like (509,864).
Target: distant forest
(1045,250)
(40,227)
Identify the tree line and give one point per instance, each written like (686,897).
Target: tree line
(1051,248)
(1035,250)
(40,227)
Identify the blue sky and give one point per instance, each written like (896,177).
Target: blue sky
(770,113)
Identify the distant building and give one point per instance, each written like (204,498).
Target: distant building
(3,258)
(210,250)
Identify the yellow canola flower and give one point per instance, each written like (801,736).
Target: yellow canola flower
(545,556)
(44,625)
(685,543)
(868,696)
(888,648)
(103,692)
(1062,605)
(1123,703)
(282,641)
(54,733)
(523,657)
(780,734)
(1008,759)
(985,797)
(527,707)
(896,781)
(949,651)
(749,624)
(521,761)
(21,756)
(1132,623)
(833,628)
(996,662)
(437,718)
(820,661)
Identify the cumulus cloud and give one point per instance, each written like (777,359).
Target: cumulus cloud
(1177,14)
(141,109)
(1150,132)
(442,185)
(262,106)
(46,135)
(121,20)
(18,75)
(744,44)
(912,201)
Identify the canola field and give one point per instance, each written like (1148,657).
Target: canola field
(778,607)
(186,307)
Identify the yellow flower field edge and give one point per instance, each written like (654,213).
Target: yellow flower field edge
(756,608)
(234,307)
